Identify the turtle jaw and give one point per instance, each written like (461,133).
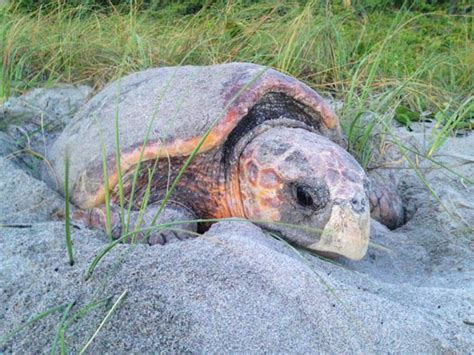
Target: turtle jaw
(346,233)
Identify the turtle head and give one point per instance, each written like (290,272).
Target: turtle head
(307,188)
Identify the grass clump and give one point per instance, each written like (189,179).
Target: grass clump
(318,44)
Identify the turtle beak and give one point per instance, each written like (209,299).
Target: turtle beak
(346,233)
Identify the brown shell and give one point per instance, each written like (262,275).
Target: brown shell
(178,106)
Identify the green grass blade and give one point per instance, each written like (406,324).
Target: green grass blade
(67,211)
(101,325)
(60,326)
(106,190)
(33,320)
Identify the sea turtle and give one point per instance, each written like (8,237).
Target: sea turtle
(265,147)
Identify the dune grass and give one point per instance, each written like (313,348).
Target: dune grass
(318,44)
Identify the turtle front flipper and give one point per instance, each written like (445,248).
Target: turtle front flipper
(170,231)
(386,205)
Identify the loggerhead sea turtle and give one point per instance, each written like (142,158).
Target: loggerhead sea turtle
(272,151)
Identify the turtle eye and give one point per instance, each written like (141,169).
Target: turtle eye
(303,196)
(315,197)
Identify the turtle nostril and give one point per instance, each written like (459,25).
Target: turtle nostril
(358,204)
